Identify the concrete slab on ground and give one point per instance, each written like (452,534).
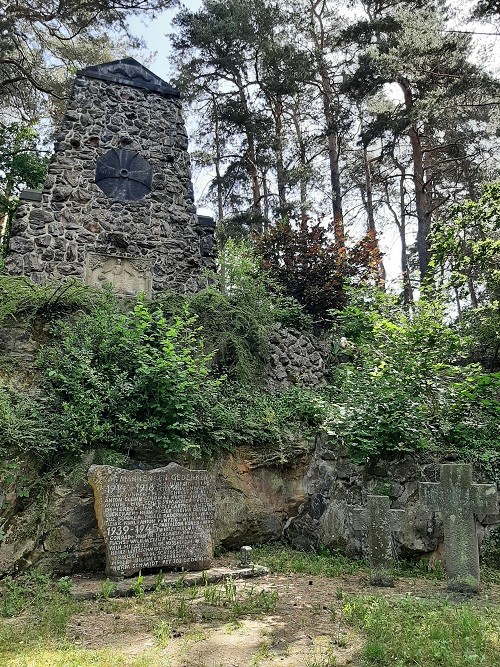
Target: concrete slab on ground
(94,586)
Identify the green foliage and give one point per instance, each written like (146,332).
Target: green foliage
(23,428)
(428,633)
(405,385)
(21,300)
(481,326)
(276,426)
(181,374)
(466,254)
(466,245)
(107,589)
(490,550)
(119,380)
(235,332)
(21,164)
(137,586)
(238,312)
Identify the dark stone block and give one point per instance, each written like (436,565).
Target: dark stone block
(61,193)
(43,241)
(47,255)
(129,72)
(31,195)
(206,246)
(69,269)
(21,245)
(41,215)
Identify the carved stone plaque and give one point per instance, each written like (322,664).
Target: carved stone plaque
(159,518)
(124,175)
(129,276)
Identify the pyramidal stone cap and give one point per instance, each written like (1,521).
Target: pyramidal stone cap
(129,72)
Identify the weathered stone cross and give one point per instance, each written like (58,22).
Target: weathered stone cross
(458,500)
(380,522)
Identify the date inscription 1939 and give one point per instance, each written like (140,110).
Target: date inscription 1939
(157,518)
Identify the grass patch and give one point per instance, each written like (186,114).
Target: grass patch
(36,611)
(73,657)
(285,560)
(424,633)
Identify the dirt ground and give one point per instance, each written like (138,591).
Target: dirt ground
(306,628)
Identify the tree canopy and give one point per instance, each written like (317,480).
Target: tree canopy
(42,43)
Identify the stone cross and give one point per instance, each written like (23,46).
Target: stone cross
(458,500)
(380,521)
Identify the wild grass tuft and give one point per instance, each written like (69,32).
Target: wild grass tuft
(283,559)
(424,633)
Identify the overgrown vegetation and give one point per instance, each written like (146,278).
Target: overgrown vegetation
(184,375)
(22,301)
(404,384)
(428,633)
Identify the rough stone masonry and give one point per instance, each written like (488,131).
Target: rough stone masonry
(117,205)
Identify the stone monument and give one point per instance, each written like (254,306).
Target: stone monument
(380,522)
(117,205)
(458,500)
(162,518)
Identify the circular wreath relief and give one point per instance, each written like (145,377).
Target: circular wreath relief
(123,175)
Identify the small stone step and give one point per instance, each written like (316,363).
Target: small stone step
(90,587)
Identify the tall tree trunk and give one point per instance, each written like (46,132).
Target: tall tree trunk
(333,159)
(421,198)
(218,160)
(405,268)
(278,151)
(400,220)
(251,152)
(303,164)
(265,196)
(371,229)
(317,10)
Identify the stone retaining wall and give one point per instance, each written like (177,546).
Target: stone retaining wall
(297,358)
(306,504)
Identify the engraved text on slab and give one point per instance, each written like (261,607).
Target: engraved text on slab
(159,518)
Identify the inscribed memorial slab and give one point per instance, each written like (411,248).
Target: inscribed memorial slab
(156,518)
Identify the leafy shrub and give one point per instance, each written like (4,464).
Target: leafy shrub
(275,426)
(309,266)
(118,380)
(406,386)
(237,313)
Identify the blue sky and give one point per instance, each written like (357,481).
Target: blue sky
(155,33)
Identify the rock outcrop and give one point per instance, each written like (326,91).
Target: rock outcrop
(306,504)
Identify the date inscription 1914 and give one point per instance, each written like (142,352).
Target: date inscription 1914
(156,518)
